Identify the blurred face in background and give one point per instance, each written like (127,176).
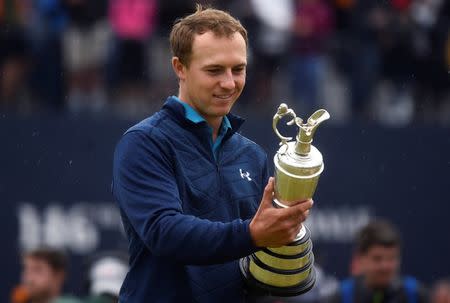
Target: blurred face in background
(40,281)
(215,75)
(380,265)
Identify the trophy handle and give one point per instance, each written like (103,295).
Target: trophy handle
(284,110)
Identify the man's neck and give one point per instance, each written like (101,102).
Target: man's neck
(215,126)
(214,123)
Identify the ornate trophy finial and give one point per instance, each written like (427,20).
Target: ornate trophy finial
(306,130)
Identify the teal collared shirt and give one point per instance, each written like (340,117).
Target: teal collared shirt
(192,115)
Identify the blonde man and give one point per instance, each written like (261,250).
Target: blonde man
(193,193)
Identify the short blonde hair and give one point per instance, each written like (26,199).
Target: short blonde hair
(203,20)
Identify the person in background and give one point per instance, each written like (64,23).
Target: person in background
(46,25)
(271,25)
(379,281)
(133,23)
(369,21)
(432,59)
(43,275)
(85,43)
(105,275)
(14,61)
(312,27)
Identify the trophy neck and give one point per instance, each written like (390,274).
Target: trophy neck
(304,139)
(303,148)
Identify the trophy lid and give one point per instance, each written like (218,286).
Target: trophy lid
(297,164)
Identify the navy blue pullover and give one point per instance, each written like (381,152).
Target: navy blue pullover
(186,213)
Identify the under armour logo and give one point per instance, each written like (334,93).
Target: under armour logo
(245,174)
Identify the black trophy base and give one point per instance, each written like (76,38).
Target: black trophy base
(257,288)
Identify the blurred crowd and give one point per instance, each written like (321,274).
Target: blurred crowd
(387,61)
(375,276)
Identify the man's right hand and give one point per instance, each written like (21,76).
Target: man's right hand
(275,227)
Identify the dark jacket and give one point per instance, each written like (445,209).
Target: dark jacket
(186,214)
(399,291)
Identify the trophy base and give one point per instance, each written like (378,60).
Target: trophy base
(258,288)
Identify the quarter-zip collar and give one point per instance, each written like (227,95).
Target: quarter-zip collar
(185,114)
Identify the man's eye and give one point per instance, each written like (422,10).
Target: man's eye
(214,71)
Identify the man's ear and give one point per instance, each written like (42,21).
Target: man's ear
(179,68)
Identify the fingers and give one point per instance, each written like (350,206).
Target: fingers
(268,194)
(293,232)
(296,232)
(299,210)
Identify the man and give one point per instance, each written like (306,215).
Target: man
(188,185)
(378,279)
(43,275)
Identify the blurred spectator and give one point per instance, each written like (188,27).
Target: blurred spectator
(440,292)
(84,50)
(45,27)
(13,56)
(133,23)
(43,275)
(312,27)
(360,59)
(105,275)
(397,51)
(161,72)
(431,40)
(378,249)
(169,11)
(270,24)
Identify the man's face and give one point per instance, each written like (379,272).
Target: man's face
(380,265)
(40,280)
(215,76)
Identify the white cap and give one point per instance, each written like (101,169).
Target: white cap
(107,276)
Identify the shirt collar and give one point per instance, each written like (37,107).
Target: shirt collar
(192,115)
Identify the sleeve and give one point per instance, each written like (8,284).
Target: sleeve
(266,173)
(144,185)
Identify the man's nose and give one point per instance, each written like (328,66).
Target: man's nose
(227,81)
